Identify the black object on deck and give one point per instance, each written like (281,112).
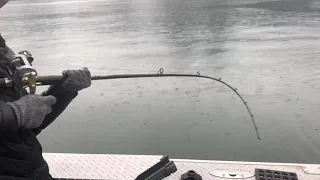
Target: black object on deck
(159,171)
(266,174)
(191,175)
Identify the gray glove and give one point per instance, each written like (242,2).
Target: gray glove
(76,80)
(31,110)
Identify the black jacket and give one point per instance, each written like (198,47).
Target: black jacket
(20,151)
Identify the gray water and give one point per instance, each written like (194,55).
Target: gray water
(269,50)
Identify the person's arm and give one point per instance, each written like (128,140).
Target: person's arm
(8,122)
(63,97)
(75,81)
(27,112)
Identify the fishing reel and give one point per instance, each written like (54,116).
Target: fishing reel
(23,74)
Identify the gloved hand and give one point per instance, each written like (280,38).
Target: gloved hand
(31,110)
(76,80)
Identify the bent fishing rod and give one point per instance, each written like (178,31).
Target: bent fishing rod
(24,75)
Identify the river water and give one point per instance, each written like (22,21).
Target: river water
(269,50)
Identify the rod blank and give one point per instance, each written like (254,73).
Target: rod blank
(58,79)
(49,80)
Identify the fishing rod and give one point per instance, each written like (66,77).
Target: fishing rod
(25,76)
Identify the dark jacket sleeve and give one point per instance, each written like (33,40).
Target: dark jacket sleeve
(63,97)
(8,122)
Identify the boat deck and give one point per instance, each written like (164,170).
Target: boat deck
(126,167)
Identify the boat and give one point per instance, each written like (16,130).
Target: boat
(65,166)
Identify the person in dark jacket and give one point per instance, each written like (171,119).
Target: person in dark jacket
(23,116)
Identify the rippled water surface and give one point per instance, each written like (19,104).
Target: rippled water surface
(269,50)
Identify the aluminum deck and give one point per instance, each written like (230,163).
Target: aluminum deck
(127,167)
